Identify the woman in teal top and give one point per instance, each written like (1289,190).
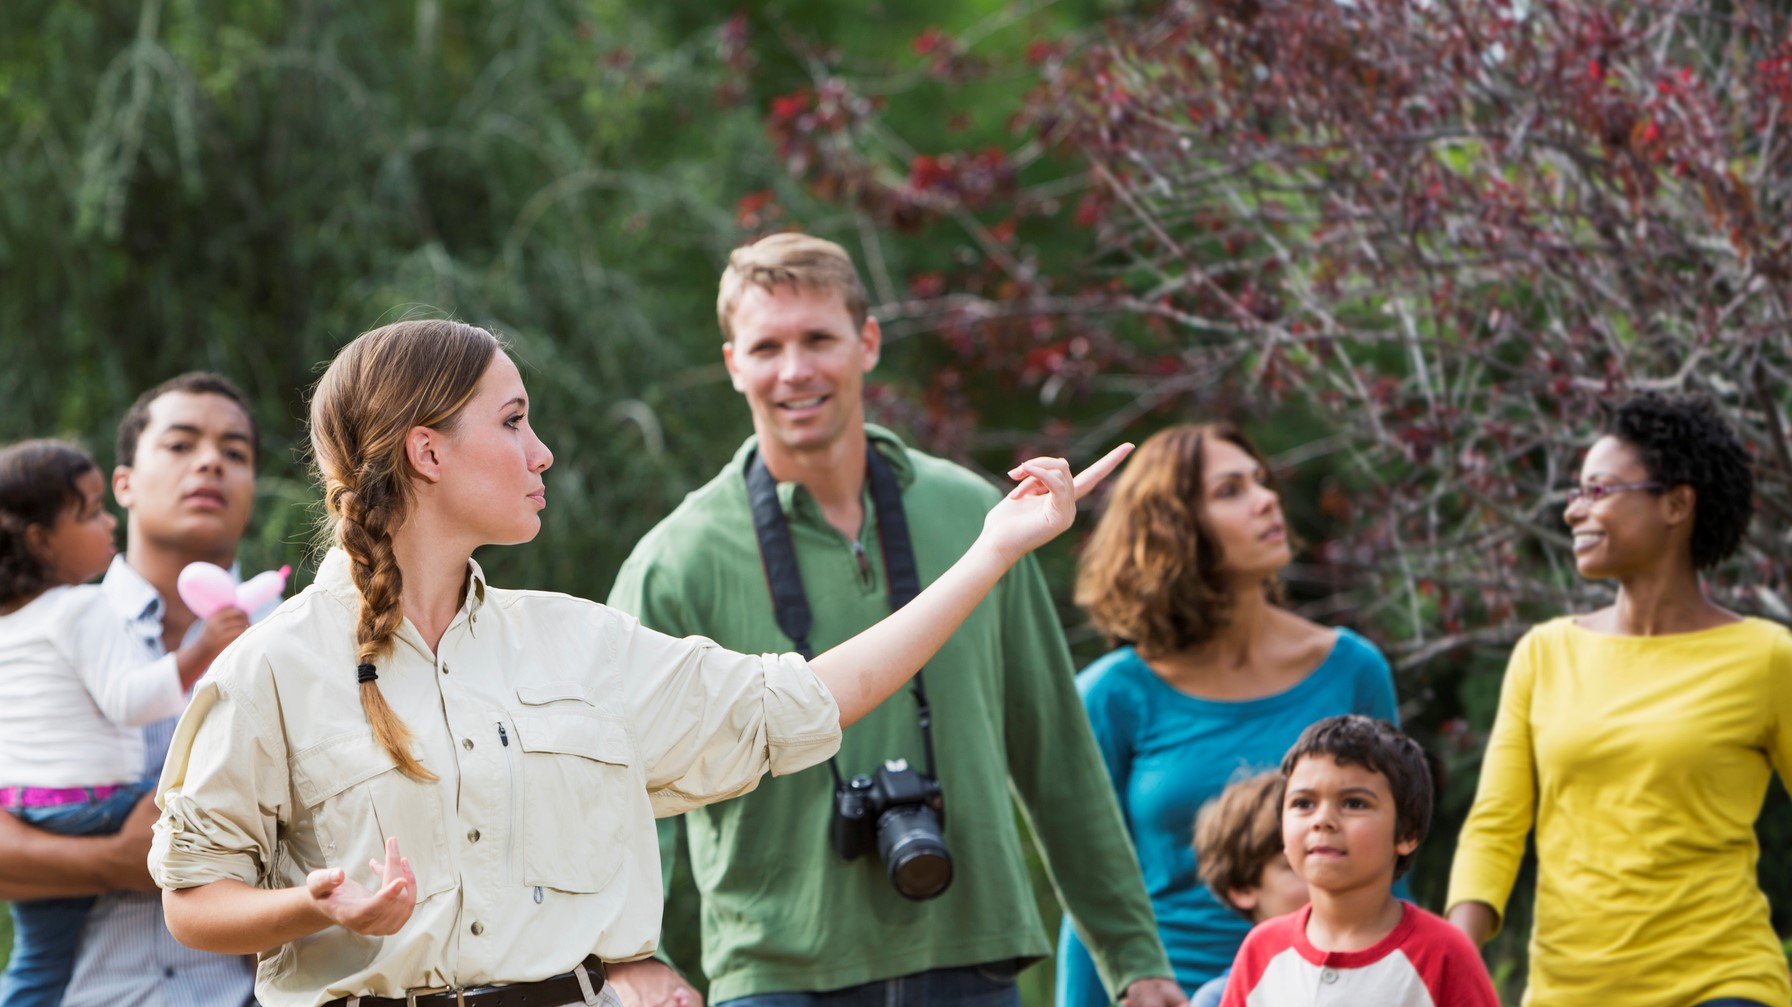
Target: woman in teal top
(1216,681)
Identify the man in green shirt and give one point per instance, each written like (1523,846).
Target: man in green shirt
(785,916)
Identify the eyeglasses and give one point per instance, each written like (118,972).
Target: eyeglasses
(1595,492)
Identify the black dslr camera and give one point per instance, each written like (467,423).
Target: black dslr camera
(906,812)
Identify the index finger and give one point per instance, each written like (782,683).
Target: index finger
(1092,476)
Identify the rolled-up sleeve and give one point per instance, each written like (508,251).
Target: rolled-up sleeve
(802,720)
(221,794)
(709,722)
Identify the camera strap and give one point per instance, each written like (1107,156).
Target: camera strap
(790,603)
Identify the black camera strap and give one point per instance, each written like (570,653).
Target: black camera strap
(790,603)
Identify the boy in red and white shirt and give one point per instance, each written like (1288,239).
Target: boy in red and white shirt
(1356,804)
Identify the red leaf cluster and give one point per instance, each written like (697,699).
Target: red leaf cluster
(1447,228)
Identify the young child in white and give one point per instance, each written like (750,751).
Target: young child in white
(1238,844)
(1356,804)
(74,687)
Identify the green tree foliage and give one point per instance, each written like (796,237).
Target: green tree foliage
(246,186)
(243,185)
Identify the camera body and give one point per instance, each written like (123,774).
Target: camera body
(902,814)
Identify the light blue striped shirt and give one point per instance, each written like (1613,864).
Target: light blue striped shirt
(127,955)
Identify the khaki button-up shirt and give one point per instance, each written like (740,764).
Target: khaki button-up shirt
(558,727)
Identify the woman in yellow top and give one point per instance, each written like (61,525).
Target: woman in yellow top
(501,754)
(1638,740)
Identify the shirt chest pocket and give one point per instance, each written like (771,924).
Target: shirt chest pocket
(579,793)
(356,798)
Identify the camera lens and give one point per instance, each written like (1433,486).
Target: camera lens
(911,847)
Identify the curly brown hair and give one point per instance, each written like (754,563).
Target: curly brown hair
(1150,575)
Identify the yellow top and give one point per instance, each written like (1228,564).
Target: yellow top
(1642,762)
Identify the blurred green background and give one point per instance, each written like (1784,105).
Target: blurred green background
(244,186)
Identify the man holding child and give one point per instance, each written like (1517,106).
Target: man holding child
(187,451)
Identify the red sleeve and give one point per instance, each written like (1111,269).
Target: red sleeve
(1265,941)
(1449,965)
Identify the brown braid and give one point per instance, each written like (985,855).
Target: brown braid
(363,532)
(378,388)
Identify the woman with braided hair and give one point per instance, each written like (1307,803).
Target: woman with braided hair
(511,748)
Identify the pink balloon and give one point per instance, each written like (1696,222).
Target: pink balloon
(261,589)
(206,588)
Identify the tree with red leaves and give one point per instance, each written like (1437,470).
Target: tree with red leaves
(1446,227)
(1421,237)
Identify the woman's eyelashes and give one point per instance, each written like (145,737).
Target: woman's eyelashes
(1233,486)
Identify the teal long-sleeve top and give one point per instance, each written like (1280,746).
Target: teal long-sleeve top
(781,911)
(1169,753)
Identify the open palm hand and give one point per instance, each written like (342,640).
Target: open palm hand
(376,913)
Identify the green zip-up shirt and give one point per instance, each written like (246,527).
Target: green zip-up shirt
(781,911)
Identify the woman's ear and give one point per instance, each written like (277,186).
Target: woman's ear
(1680,502)
(422,448)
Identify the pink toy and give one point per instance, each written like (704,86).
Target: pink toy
(206,588)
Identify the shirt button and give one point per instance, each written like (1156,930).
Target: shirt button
(478,928)
(467,743)
(472,835)
(1328,975)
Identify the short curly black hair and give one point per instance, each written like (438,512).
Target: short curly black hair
(1351,739)
(1683,441)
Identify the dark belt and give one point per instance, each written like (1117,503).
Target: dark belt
(550,992)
